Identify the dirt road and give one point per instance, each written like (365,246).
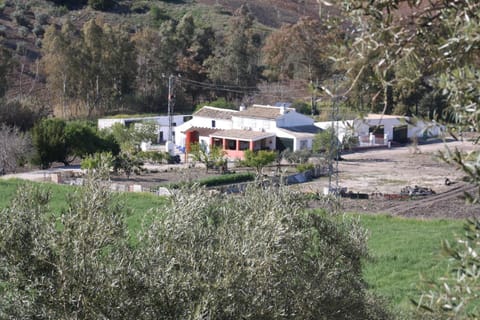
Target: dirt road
(387,171)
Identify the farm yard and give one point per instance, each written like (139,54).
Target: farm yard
(380,172)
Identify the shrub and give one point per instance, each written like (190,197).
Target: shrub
(22,114)
(59,11)
(21,48)
(259,256)
(3,30)
(38,30)
(272,259)
(158,15)
(101,4)
(23,31)
(219,103)
(20,17)
(302,167)
(42,18)
(215,180)
(154,156)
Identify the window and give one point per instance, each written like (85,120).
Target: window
(244,145)
(214,123)
(231,144)
(303,144)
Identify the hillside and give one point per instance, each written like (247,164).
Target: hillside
(22,24)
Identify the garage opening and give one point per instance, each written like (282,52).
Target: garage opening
(284,143)
(400,134)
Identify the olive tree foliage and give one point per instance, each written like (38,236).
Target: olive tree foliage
(70,265)
(441,40)
(456,295)
(15,146)
(255,256)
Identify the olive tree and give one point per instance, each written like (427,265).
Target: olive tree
(435,43)
(73,264)
(260,255)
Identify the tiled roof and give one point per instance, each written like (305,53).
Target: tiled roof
(242,134)
(203,132)
(261,112)
(215,113)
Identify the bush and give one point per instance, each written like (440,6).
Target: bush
(21,48)
(158,15)
(219,103)
(38,30)
(3,30)
(20,17)
(101,4)
(215,181)
(42,18)
(23,31)
(272,259)
(22,114)
(154,156)
(305,167)
(59,11)
(259,256)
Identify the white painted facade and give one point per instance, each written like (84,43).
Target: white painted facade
(162,123)
(361,128)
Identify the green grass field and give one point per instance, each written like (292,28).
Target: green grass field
(401,249)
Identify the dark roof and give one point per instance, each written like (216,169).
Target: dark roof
(267,112)
(304,129)
(215,113)
(242,134)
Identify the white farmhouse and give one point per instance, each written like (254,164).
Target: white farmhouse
(258,127)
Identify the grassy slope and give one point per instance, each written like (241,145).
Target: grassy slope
(401,249)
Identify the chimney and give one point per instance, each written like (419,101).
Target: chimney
(283,109)
(242,107)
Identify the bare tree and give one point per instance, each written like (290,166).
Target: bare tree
(14,146)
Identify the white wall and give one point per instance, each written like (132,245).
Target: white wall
(361,127)
(162,123)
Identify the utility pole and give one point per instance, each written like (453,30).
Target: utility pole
(334,143)
(171,104)
(170,144)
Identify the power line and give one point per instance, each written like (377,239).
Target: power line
(216,87)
